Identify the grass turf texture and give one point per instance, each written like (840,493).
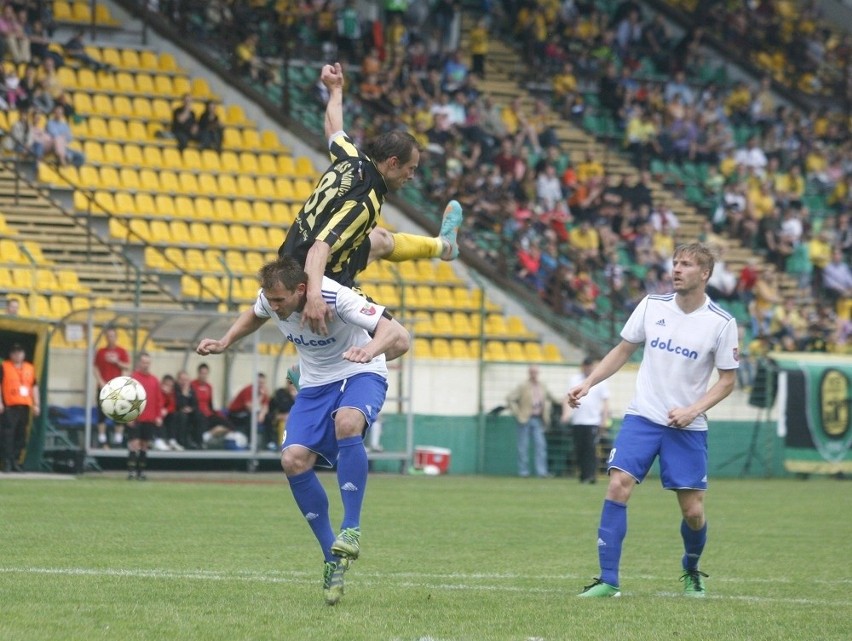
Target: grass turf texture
(444,559)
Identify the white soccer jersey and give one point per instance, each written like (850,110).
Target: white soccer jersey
(681,353)
(321,357)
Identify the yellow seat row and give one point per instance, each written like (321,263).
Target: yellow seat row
(155,84)
(146,108)
(15,252)
(272,161)
(179,232)
(124,204)
(80,12)
(134,59)
(495,350)
(45,280)
(55,306)
(242,263)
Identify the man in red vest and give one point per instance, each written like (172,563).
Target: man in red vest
(18,397)
(111,360)
(141,432)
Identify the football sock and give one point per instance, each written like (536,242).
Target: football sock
(313,503)
(142,461)
(352,466)
(611,535)
(131,461)
(693,544)
(411,246)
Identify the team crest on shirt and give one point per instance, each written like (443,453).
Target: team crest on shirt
(737,354)
(368,310)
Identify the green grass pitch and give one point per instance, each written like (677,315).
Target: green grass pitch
(443,559)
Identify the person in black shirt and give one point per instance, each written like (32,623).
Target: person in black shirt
(210,128)
(335,232)
(184,123)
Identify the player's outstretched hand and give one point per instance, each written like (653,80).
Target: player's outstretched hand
(315,314)
(575,394)
(209,346)
(357,355)
(332,75)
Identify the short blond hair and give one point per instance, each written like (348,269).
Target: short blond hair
(702,254)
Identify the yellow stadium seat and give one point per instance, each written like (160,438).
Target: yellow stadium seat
(459,348)
(246,186)
(130,58)
(283,214)
(164,206)
(39,306)
(190,286)
(140,230)
(422,348)
(236,262)
(109,178)
(97,127)
(533,352)
(180,232)
(443,296)
(46,280)
(140,108)
(112,153)
(160,108)
(305,168)
(106,82)
(169,182)
(269,140)
(495,351)
(219,235)
(133,155)
(223,208)
(188,183)
(210,161)
(212,288)
(62,11)
(254,261)
(163,86)
(88,176)
(81,12)
(258,238)
(231,138)
(192,159)
(515,351)
(242,210)
(111,56)
(207,184)
(153,156)
(174,256)
(284,188)
(93,151)
(302,189)
(180,86)
(239,236)
(184,207)
(172,158)
(248,162)
(204,208)
(103,105)
(230,162)
(261,211)
(121,106)
(60,306)
(200,89)
(251,139)
(234,115)
(159,231)
(199,233)
(82,101)
(266,164)
(495,325)
(117,129)
(213,258)
(103,16)
(123,82)
(130,179)
(154,259)
(145,204)
(441,348)
(138,132)
(148,60)
(167,62)
(227,185)
(551,353)
(124,203)
(286,166)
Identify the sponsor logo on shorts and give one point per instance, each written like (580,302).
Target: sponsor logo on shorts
(674,349)
(310,342)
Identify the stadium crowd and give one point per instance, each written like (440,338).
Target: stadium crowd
(769,174)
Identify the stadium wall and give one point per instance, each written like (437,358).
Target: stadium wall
(487,446)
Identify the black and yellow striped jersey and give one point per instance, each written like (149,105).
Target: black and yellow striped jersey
(342,211)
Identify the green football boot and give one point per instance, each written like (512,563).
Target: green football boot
(332,584)
(693,584)
(599,589)
(346,544)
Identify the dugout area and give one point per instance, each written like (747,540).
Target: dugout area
(170,336)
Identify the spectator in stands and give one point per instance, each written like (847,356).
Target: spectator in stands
(165,439)
(75,49)
(111,360)
(766,297)
(142,431)
(531,403)
(214,425)
(210,128)
(60,133)
(184,123)
(13,35)
(13,306)
(836,278)
(19,402)
(48,78)
(39,142)
(349,32)
(188,421)
(243,405)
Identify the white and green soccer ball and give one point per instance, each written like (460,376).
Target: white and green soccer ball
(123,399)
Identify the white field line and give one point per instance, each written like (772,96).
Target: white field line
(448,582)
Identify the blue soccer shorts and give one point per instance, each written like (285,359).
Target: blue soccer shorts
(311,420)
(683,453)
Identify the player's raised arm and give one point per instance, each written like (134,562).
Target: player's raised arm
(247,323)
(608,366)
(332,78)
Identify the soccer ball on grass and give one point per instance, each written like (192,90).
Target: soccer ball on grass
(123,399)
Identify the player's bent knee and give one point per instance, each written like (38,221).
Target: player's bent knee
(295,460)
(349,422)
(381,243)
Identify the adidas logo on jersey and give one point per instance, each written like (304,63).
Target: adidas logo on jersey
(661,322)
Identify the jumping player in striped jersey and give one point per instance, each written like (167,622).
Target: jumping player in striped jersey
(335,232)
(342,389)
(686,336)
